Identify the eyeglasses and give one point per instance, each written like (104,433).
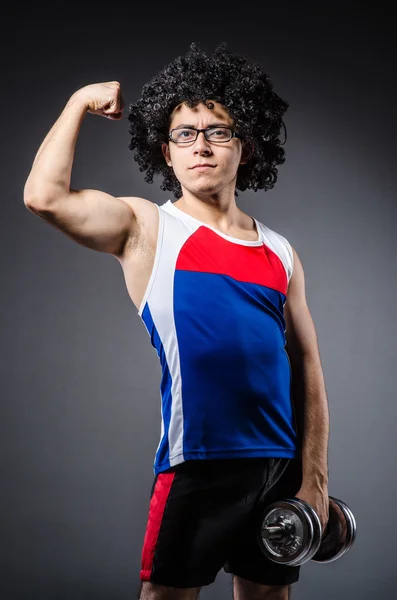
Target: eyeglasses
(187,135)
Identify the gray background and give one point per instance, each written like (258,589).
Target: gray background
(80,409)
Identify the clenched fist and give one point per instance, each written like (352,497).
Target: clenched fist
(103,99)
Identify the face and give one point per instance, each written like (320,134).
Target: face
(224,157)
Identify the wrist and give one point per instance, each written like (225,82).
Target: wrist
(79,101)
(314,481)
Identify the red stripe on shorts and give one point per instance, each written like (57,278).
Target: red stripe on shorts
(156,511)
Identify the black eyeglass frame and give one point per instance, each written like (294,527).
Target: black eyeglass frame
(233,134)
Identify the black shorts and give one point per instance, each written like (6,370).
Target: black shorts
(204,515)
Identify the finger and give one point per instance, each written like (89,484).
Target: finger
(112,106)
(112,111)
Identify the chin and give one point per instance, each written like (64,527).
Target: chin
(204,188)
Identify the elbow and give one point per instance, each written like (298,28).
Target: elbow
(31,194)
(38,196)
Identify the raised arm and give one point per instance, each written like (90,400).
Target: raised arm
(92,218)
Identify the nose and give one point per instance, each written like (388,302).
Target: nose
(202,145)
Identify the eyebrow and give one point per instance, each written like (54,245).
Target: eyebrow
(210,125)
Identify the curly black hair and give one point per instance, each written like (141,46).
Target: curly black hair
(241,86)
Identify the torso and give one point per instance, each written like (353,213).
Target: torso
(140,250)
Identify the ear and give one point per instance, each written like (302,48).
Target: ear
(166,153)
(247,152)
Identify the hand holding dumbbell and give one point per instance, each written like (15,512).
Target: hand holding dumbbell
(291,532)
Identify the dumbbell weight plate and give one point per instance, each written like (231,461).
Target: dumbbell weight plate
(317,529)
(339,534)
(302,536)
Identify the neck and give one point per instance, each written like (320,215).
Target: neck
(218,210)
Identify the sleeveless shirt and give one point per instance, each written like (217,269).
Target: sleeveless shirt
(214,311)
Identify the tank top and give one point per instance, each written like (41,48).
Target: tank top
(214,311)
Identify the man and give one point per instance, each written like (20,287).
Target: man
(223,299)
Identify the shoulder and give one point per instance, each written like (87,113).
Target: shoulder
(146,212)
(140,206)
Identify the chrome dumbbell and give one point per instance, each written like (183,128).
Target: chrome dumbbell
(291,532)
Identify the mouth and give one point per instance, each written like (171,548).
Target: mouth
(203,167)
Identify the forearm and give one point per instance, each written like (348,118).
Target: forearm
(52,167)
(311,406)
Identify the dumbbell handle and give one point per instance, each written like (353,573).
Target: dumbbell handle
(275,532)
(278,532)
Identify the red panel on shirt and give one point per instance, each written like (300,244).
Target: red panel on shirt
(208,252)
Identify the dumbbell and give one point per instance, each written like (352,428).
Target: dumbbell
(291,532)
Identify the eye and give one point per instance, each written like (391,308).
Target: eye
(184,134)
(220,134)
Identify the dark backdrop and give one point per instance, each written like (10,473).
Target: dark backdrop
(80,405)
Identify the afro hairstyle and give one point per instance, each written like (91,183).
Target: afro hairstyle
(243,89)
